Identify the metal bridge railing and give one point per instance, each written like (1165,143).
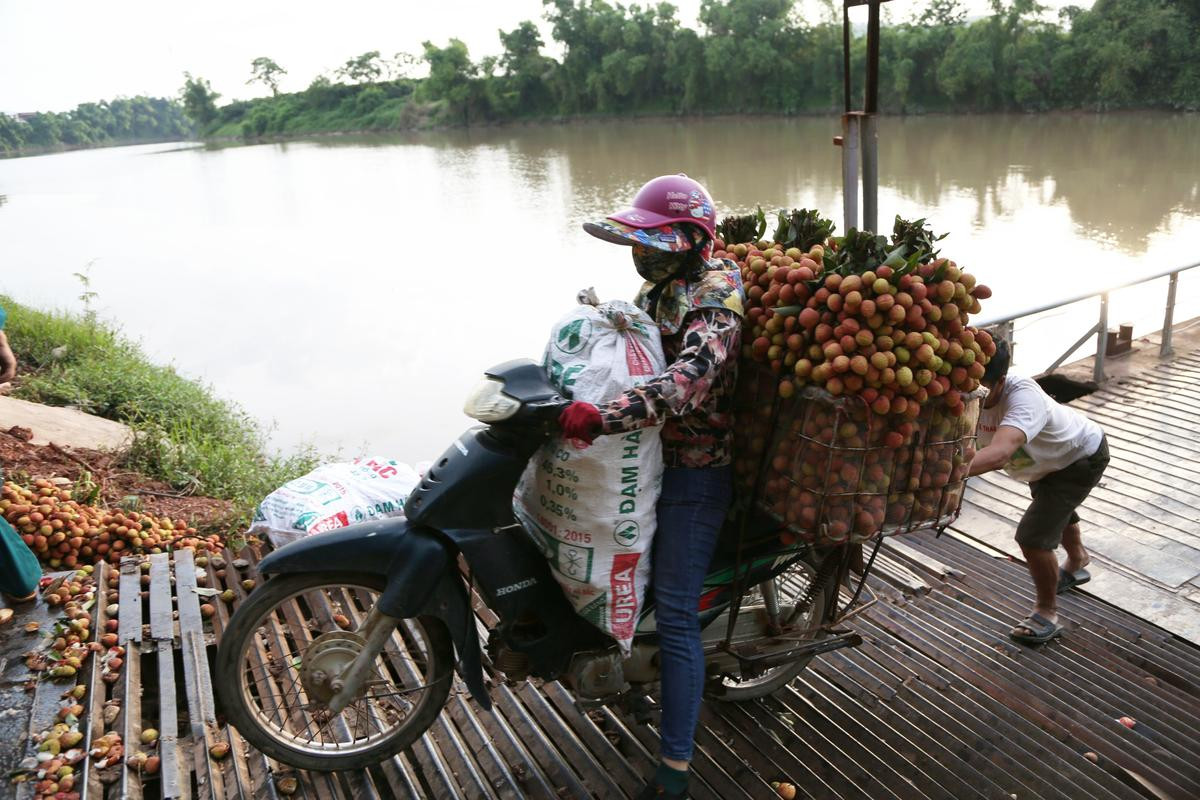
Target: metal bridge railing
(1005,322)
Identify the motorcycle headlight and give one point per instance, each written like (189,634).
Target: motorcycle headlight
(488,403)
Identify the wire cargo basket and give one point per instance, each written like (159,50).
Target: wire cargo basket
(831,471)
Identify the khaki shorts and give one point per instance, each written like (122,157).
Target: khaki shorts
(1055,498)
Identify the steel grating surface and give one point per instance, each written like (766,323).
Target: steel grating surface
(936,703)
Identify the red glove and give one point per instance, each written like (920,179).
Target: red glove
(580,422)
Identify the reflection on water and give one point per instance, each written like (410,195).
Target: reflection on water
(352,288)
(1121,176)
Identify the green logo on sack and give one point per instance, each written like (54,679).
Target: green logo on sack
(626,533)
(573,337)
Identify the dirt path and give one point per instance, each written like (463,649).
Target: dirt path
(21,459)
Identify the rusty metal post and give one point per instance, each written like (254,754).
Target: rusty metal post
(1101,341)
(1165,348)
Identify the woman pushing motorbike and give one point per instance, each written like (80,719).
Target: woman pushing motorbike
(697,302)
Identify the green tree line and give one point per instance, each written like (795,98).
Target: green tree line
(126,119)
(747,56)
(755,56)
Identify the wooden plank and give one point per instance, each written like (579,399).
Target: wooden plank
(596,738)
(257,774)
(129,634)
(1138,556)
(130,624)
(202,715)
(301,632)
(1092,691)
(978,664)
(246,773)
(321,784)
(897,547)
(581,758)
(441,734)
(1012,498)
(97,688)
(898,575)
(174,782)
(503,782)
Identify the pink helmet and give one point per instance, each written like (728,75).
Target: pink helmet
(657,210)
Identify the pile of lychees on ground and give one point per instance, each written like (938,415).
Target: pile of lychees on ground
(66,532)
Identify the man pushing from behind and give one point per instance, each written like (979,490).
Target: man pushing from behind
(1061,454)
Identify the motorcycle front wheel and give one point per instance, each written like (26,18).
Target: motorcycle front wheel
(295,631)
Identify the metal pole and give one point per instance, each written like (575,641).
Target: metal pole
(870,174)
(851,135)
(871,100)
(870,153)
(1165,348)
(846,54)
(1101,340)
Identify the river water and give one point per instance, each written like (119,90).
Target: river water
(350,291)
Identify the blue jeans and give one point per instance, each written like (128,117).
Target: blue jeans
(691,509)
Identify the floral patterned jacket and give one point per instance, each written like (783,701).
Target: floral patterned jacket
(700,318)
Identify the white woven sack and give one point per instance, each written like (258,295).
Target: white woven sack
(333,496)
(592,511)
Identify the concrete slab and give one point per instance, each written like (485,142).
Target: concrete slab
(17,721)
(66,427)
(1172,612)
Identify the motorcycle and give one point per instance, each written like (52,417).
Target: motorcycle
(345,655)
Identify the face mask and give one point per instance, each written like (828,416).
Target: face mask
(656,265)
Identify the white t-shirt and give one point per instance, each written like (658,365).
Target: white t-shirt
(1055,435)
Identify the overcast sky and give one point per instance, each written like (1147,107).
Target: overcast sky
(55,54)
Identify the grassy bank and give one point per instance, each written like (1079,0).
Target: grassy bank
(185,435)
(325,108)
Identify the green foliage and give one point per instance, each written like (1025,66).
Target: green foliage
(365,68)
(125,119)
(802,228)
(199,100)
(451,81)
(744,228)
(184,434)
(265,71)
(756,56)
(916,238)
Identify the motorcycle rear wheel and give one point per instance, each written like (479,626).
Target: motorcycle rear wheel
(265,694)
(792,585)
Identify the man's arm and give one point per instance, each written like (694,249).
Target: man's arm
(1004,443)
(8,362)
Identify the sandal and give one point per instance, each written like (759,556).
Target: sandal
(1069,580)
(1039,630)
